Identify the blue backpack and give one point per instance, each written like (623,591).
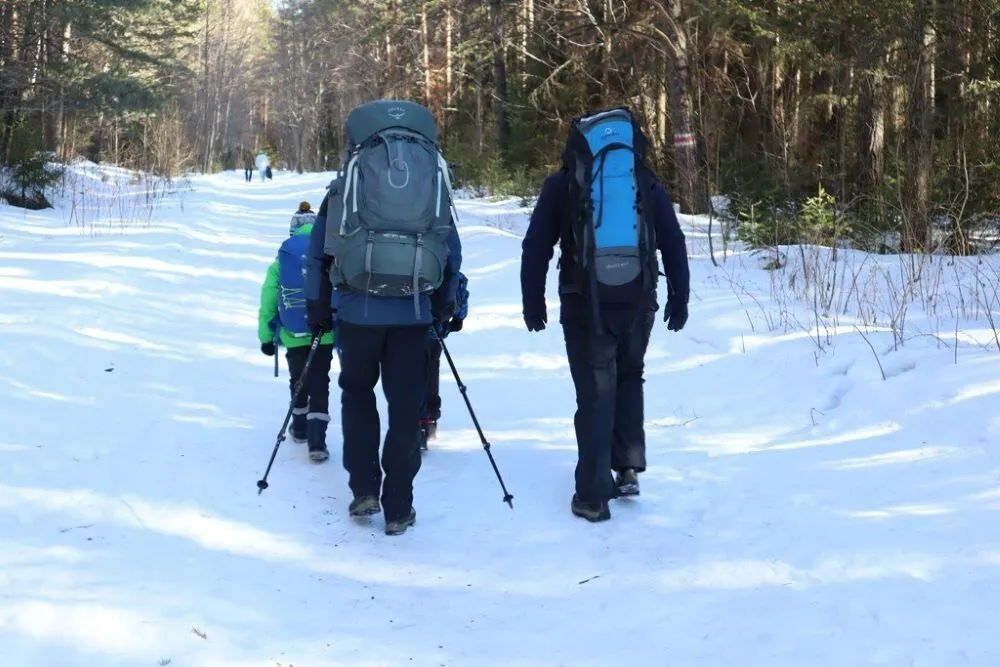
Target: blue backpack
(291,284)
(606,241)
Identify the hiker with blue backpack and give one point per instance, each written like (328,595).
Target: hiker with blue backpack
(609,214)
(383,272)
(282,322)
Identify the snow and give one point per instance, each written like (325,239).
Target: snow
(799,509)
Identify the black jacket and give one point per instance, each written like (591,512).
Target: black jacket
(544,233)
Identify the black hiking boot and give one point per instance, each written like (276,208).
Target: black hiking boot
(627,483)
(364,506)
(427,431)
(399,526)
(317,440)
(593,511)
(298,430)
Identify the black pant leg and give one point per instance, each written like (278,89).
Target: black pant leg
(361,352)
(629,448)
(318,383)
(404,377)
(296,358)
(592,363)
(432,404)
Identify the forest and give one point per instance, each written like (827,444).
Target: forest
(868,122)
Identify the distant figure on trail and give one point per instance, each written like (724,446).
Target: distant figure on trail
(263,163)
(282,321)
(267,172)
(609,214)
(248,164)
(395,277)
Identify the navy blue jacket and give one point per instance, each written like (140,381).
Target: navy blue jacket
(543,234)
(364,309)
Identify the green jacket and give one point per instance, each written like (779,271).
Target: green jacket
(269,294)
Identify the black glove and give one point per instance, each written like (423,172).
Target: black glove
(675,315)
(267,348)
(320,316)
(456,324)
(441,329)
(535,321)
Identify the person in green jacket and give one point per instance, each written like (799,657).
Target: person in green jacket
(282,321)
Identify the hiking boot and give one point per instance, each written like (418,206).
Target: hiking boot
(364,506)
(298,430)
(429,427)
(316,429)
(591,511)
(627,483)
(399,526)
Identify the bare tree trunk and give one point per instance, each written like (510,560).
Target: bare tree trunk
(206,150)
(499,75)
(449,30)
(692,193)
(871,110)
(426,54)
(919,135)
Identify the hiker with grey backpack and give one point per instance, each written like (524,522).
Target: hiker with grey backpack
(383,268)
(609,214)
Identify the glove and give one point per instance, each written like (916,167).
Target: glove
(462,297)
(456,323)
(675,315)
(535,321)
(441,329)
(320,316)
(267,348)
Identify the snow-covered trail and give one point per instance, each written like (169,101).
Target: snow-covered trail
(795,512)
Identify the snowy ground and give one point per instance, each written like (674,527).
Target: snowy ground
(799,510)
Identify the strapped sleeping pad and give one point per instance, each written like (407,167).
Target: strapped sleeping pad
(389,215)
(607,240)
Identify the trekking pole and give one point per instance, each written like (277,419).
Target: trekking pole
(262,483)
(507,497)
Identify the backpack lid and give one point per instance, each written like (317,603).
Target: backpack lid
(579,124)
(371,118)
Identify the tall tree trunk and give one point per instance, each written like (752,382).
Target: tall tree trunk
(871,110)
(499,75)
(425,32)
(919,135)
(449,66)
(692,193)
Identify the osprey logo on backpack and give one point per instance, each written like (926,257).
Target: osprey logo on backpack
(610,241)
(396,112)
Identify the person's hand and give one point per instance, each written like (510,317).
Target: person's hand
(535,321)
(320,317)
(267,349)
(675,315)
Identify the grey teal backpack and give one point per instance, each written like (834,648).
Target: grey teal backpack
(389,213)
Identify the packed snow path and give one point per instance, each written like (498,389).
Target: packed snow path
(796,513)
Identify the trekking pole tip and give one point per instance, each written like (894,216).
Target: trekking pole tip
(261,485)
(509,499)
